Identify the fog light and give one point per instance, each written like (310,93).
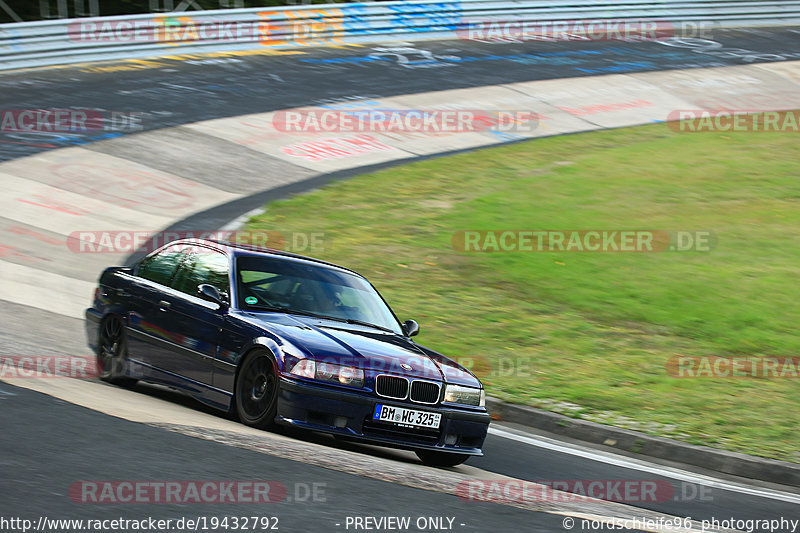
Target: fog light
(340,422)
(450,439)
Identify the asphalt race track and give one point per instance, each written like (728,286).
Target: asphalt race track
(170,93)
(50,443)
(124,450)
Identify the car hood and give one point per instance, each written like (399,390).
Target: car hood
(364,347)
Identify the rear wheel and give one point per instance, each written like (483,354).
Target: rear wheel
(432,458)
(257,390)
(112,352)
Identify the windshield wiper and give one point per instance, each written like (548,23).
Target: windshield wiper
(261,307)
(368,324)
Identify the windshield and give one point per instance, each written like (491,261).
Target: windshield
(271,284)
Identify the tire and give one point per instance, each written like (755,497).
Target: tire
(257,390)
(112,352)
(431,458)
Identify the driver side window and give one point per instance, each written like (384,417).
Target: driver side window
(161,267)
(203,265)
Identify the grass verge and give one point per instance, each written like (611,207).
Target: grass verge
(590,334)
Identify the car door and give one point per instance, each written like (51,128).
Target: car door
(149,335)
(194,324)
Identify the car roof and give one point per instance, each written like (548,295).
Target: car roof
(237,248)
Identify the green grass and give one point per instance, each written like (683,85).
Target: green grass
(589,334)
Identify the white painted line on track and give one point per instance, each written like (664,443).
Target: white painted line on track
(238,222)
(643,466)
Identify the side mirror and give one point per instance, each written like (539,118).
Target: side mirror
(410,328)
(211,294)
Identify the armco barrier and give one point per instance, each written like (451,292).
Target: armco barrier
(54,42)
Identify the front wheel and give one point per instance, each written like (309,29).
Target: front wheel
(257,390)
(112,351)
(432,458)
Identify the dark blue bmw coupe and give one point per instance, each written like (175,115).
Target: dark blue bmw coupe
(281,338)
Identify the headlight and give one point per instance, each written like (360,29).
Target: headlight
(464,395)
(330,372)
(351,376)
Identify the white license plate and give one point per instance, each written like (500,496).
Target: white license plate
(406,417)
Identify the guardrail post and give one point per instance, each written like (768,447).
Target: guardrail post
(44,9)
(155,5)
(80,10)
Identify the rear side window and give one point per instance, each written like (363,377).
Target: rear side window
(161,267)
(203,265)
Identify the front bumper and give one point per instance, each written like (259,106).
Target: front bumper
(349,414)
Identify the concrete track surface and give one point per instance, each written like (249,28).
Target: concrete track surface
(195,147)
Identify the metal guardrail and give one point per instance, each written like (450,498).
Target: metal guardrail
(54,42)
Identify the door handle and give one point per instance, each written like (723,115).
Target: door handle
(163,305)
